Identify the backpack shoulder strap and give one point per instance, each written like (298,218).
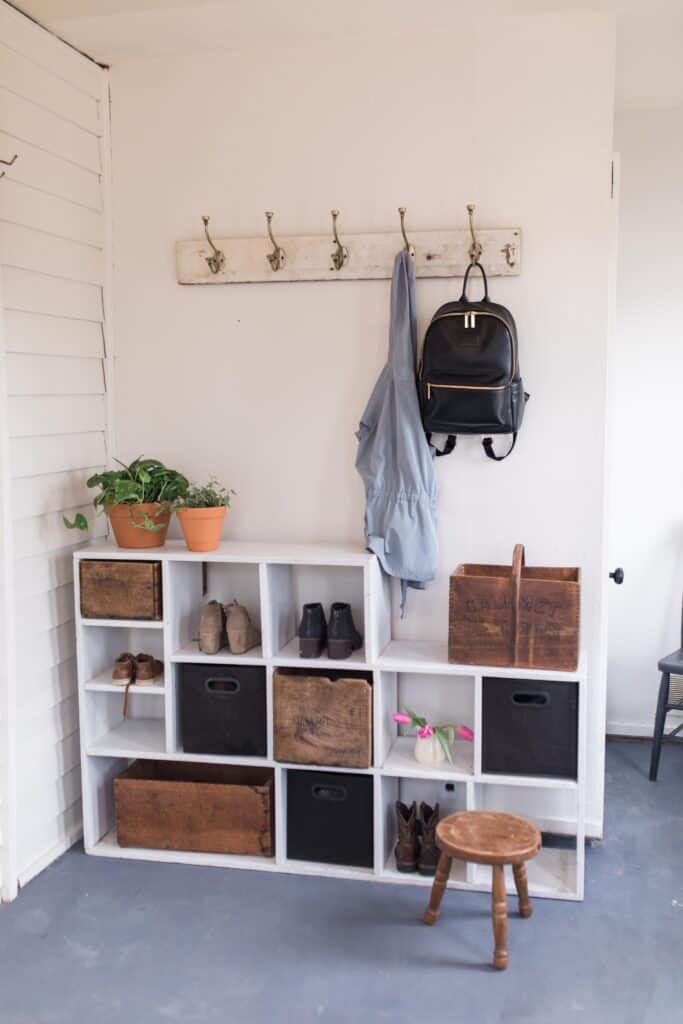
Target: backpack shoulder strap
(447,448)
(487,444)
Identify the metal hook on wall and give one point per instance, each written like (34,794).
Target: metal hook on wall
(8,163)
(409,248)
(278,257)
(340,256)
(475,249)
(217,261)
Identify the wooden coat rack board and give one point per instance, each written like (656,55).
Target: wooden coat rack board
(346,258)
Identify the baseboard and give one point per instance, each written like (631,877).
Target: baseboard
(50,855)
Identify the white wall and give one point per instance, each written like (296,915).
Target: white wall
(264,384)
(52,422)
(646,534)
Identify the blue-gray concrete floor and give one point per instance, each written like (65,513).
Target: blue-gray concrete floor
(103,941)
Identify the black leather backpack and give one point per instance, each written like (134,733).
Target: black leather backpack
(469,380)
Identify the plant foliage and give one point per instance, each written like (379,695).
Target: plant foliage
(143,481)
(210,495)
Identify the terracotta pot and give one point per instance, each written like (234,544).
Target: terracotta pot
(127,524)
(202,527)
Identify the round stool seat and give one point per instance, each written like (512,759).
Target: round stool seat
(488,837)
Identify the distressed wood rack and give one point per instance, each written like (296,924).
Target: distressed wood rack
(349,258)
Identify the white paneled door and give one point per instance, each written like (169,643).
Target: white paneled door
(54,368)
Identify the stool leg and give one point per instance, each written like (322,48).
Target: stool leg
(525,908)
(443,870)
(660,718)
(500,918)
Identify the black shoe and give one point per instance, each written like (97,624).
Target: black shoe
(343,636)
(312,631)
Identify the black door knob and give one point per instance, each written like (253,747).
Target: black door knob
(617,575)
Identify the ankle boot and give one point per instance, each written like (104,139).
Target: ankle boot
(343,637)
(429,851)
(312,631)
(242,633)
(212,635)
(407,846)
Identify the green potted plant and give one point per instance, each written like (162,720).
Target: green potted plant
(137,499)
(201,511)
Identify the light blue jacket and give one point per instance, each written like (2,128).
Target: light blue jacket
(394,458)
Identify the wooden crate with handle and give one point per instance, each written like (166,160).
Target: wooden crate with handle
(117,589)
(518,616)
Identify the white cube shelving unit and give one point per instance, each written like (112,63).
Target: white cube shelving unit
(273,581)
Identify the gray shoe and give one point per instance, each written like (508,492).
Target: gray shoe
(212,634)
(242,633)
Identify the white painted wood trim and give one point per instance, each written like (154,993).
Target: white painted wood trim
(371,256)
(108,285)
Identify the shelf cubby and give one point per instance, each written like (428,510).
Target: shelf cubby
(273,581)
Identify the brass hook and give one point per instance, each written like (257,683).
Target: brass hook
(8,163)
(278,257)
(340,256)
(217,261)
(409,248)
(475,249)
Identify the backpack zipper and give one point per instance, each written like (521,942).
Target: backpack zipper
(465,387)
(471,323)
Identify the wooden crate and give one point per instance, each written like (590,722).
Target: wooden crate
(117,589)
(323,721)
(206,808)
(514,616)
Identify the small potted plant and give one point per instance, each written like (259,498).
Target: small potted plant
(137,499)
(432,742)
(201,511)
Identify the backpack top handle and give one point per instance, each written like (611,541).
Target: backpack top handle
(463,297)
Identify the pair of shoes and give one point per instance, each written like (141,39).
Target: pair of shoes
(226,626)
(142,670)
(341,636)
(416,849)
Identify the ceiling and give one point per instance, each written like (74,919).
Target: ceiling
(649,32)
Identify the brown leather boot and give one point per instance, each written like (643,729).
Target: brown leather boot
(429,851)
(242,633)
(407,847)
(212,634)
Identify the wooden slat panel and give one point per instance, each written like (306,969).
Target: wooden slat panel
(55,723)
(40,293)
(43,572)
(32,124)
(49,52)
(36,334)
(34,250)
(28,79)
(55,414)
(49,649)
(47,611)
(34,456)
(48,533)
(48,801)
(40,842)
(49,761)
(53,685)
(47,173)
(36,495)
(28,207)
(53,375)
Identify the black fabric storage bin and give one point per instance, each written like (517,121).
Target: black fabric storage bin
(530,727)
(223,709)
(329,818)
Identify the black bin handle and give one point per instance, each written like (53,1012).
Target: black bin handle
(526,699)
(222,686)
(333,794)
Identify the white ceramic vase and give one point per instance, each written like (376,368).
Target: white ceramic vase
(429,752)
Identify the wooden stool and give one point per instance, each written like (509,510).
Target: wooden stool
(487,837)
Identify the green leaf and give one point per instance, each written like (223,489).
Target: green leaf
(79,523)
(439,733)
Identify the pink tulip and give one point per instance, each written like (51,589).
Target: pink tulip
(425,732)
(401,718)
(464,732)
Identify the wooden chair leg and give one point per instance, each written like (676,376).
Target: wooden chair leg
(500,918)
(660,718)
(525,908)
(443,870)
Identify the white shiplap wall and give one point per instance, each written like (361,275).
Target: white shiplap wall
(54,368)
